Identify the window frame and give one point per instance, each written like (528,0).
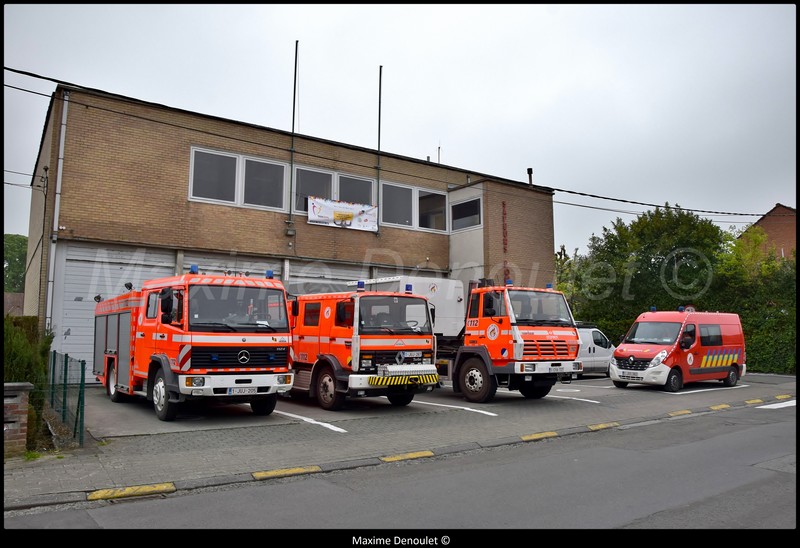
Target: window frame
(479,199)
(239,179)
(415,208)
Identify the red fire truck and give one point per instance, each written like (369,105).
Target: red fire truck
(192,337)
(362,343)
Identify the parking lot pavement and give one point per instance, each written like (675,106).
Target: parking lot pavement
(129,452)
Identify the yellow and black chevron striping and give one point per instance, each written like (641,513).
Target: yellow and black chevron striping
(404,379)
(720,358)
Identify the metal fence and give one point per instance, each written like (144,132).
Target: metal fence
(66,387)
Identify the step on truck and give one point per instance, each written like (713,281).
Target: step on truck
(519,338)
(362,344)
(195,337)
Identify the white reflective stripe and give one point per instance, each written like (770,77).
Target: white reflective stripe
(374,343)
(308,339)
(476,332)
(324,339)
(533,332)
(249,338)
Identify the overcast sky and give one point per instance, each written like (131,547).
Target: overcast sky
(694,105)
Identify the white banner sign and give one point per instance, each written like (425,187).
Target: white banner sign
(342,214)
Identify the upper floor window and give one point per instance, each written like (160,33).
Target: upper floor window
(354,190)
(466,214)
(237,180)
(312,183)
(320,184)
(413,207)
(432,210)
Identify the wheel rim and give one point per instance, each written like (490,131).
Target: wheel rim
(474,380)
(326,388)
(159,394)
(112,381)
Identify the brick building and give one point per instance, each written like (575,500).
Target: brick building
(136,190)
(780,225)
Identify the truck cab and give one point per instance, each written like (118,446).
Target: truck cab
(361,344)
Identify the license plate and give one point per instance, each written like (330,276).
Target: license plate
(557,369)
(242,391)
(412,354)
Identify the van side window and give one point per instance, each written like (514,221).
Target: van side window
(689,331)
(710,335)
(600,340)
(311,314)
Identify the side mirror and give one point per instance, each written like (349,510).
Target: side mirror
(166,300)
(295,308)
(489,312)
(686,342)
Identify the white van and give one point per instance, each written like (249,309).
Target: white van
(596,350)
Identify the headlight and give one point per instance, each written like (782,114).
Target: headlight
(660,357)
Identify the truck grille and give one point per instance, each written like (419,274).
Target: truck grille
(228,357)
(546,350)
(390,356)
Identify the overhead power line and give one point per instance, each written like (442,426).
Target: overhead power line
(595,196)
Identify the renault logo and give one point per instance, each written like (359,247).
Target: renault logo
(631,360)
(243,357)
(399,358)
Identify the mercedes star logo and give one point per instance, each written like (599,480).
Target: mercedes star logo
(243,357)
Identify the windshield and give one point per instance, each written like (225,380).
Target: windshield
(653,333)
(240,309)
(393,314)
(539,308)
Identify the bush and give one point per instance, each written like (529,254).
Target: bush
(25,360)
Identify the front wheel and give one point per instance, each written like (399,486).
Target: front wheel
(620,384)
(327,396)
(732,378)
(264,406)
(165,410)
(476,383)
(674,380)
(532,392)
(399,400)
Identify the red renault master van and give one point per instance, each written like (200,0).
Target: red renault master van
(672,348)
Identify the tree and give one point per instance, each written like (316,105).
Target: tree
(15,253)
(664,258)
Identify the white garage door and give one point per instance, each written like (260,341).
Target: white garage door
(86,270)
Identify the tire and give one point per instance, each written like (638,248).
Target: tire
(732,378)
(399,400)
(477,385)
(327,396)
(534,392)
(264,406)
(674,380)
(620,384)
(111,385)
(165,410)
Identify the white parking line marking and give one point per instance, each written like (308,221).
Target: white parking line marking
(778,405)
(701,390)
(312,421)
(569,398)
(457,407)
